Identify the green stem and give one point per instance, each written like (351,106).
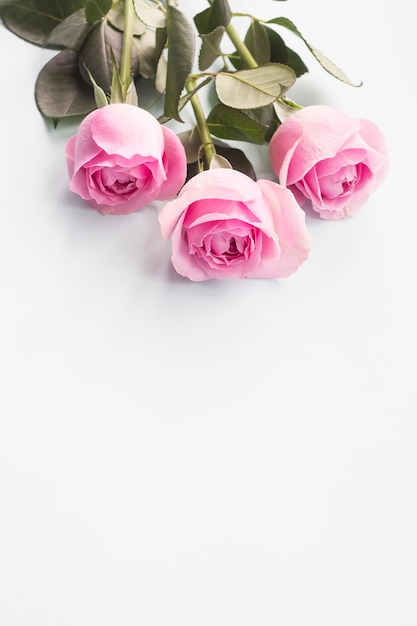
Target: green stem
(205,136)
(126,59)
(241,47)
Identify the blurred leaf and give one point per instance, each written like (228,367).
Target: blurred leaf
(116,18)
(218,14)
(210,47)
(60,91)
(235,157)
(95,10)
(238,160)
(228,123)
(160,42)
(257,41)
(161,76)
(191,143)
(181,49)
(97,51)
(328,65)
(33,20)
(279,51)
(150,15)
(249,89)
(146,50)
(160,60)
(296,63)
(265,116)
(70,33)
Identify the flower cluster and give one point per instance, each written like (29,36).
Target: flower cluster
(223,222)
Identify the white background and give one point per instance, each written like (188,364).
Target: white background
(235,453)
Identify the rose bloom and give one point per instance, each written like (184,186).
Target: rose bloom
(225,225)
(122,158)
(329,158)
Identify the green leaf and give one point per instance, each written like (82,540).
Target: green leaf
(227,123)
(328,65)
(181,49)
(186,98)
(60,91)
(257,41)
(116,90)
(150,15)
(218,14)
(70,33)
(296,63)
(116,18)
(33,20)
(95,10)
(279,51)
(210,47)
(250,89)
(191,143)
(99,95)
(146,50)
(97,51)
(238,160)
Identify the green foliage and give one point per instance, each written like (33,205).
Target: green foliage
(257,41)
(227,123)
(210,47)
(150,16)
(60,90)
(96,54)
(116,18)
(253,88)
(99,95)
(326,63)
(70,33)
(218,14)
(181,50)
(235,157)
(34,20)
(95,10)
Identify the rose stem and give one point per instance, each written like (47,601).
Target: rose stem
(244,51)
(205,136)
(126,59)
(241,47)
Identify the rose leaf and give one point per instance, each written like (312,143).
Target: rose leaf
(258,87)
(181,48)
(33,20)
(60,91)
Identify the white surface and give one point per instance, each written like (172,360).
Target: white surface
(214,454)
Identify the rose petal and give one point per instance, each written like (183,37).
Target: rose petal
(175,165)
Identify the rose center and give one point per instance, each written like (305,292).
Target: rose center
(117,182)
(340,184)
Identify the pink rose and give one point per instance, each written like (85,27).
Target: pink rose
(329,158)
(225,225)
(122,158)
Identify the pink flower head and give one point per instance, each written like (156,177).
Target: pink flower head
(329,158)
(122,159)
(225,225)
